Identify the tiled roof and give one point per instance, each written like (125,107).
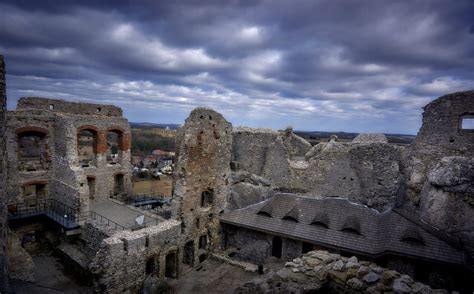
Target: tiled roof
(379,233)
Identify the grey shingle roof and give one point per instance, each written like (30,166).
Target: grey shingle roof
(380,233)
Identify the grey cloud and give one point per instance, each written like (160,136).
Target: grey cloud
(314,63)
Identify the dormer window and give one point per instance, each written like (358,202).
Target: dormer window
(266,210)
(413,237)
(352,225)
(290,218)
(264,213)
(292,215)
(321,220)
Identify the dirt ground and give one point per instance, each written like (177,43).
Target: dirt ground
(163,186)
(214,277)
(51,277)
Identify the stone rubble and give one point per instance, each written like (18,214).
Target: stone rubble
(328,272)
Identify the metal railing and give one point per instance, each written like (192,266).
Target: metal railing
(91,215)
(59,212)
(64,215)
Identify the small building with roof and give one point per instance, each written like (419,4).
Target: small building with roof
(288,225)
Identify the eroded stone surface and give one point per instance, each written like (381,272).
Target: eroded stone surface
(319,278)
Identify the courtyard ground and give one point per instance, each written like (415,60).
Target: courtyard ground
(215,277)
(51,277)
(154,187)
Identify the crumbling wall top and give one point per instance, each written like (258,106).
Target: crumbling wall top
(254,130)
(370,138)
(61,106)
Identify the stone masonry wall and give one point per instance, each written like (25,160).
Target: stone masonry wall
(61,106)
(440,168)
(440,135)
(120,263)
(3,178)
(61,171)
(203,171)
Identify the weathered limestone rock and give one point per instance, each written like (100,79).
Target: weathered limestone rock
(447,200)
(367,172)
(331,275)
(369,138)
(441,135)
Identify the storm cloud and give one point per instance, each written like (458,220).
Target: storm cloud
(363,66)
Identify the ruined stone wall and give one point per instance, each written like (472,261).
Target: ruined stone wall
(440,135)
(440,168)
(60,106)
(3,178)
(256,247)
(202,177)
(60,169)
(366,171)
(120,263)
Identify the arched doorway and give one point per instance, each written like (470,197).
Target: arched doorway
(170,267)
(119,184)
(188,253)
(277,245)
(91,185)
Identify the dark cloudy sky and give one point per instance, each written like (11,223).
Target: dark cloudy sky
(364,66)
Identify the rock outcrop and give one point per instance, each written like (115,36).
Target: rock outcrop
(331,273)
(447,198)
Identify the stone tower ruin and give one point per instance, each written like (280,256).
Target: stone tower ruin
(202,174)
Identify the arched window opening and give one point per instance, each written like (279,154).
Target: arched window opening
(114,146)
(207,198)
(119,184)
(170,268)
(87,147)
(203,242)
(32,151)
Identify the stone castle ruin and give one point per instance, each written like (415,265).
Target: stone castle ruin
(249,195)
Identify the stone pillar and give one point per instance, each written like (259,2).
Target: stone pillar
(3,176)
(202,182)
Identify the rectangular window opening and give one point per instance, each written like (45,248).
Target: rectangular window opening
(467,123)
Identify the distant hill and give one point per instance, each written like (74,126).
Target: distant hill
(146,125)
(315,137)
